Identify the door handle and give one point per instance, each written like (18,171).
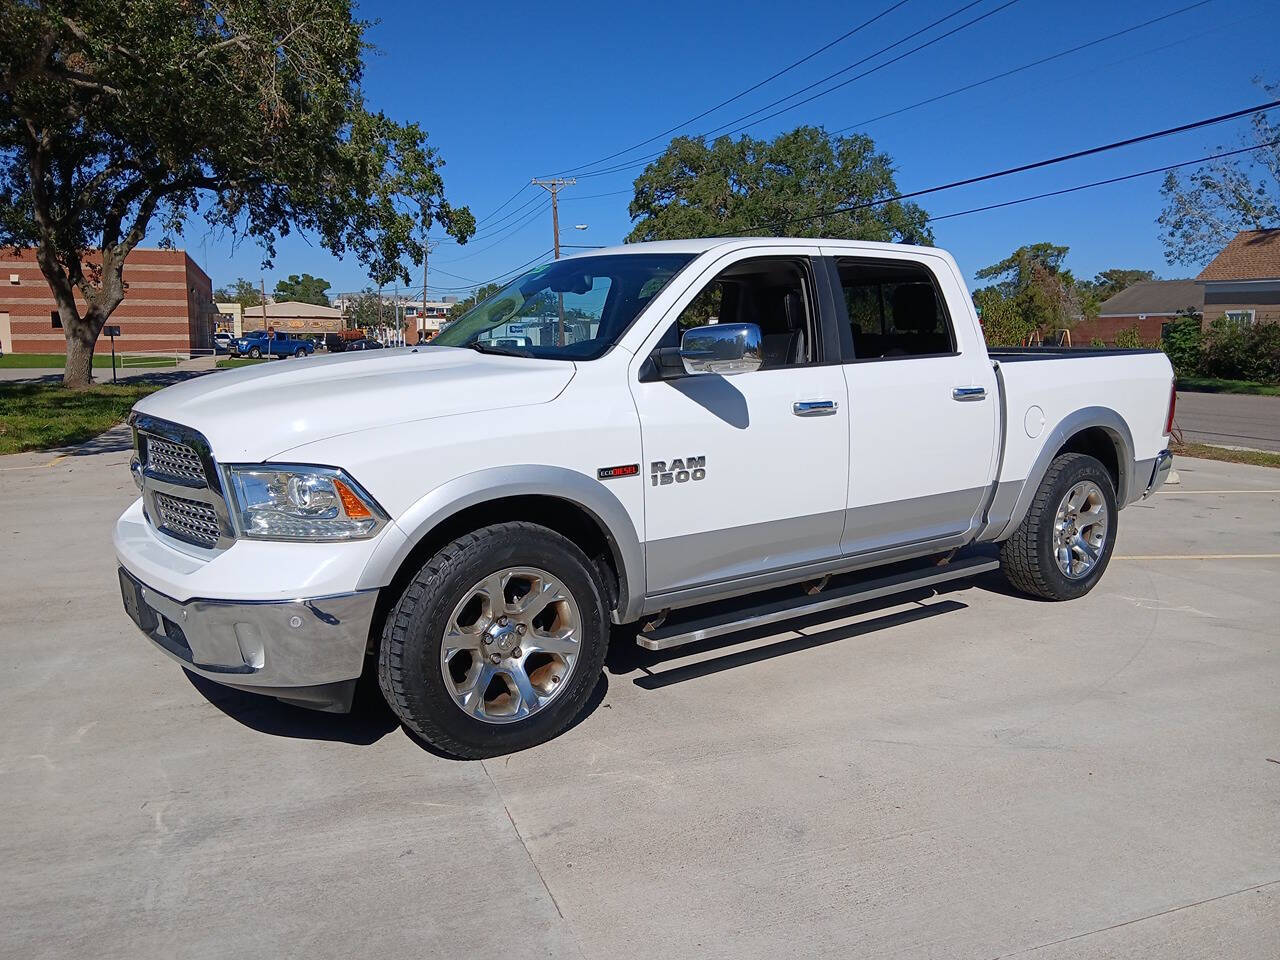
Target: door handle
(964,394)
(814,408)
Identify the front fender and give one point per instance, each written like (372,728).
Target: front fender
(496,483)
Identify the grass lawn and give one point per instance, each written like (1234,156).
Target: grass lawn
(25,361)
(1214,385)
(1258,458)
(36,416)
(232,362)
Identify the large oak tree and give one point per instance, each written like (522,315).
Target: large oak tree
(122,119)
(782,187)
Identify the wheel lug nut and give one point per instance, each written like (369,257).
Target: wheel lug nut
(521,628)
(488,640)
(516,652)
(495,658)
(502,621)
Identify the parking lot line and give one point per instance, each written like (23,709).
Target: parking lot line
(1180,492)
(1201,556)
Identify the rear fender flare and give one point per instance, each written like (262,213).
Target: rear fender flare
(1068,427)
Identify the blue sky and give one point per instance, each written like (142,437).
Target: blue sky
(511,91)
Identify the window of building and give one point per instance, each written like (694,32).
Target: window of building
(55,319)
(1241,318)
(895,310)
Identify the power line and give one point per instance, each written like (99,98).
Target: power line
(509,233)
(1102,183)
(1025,66)
(1038,164)
(832,76)
(490,216)
(499,277)
(498,226)
(751,89)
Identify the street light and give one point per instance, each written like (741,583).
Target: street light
(580,226)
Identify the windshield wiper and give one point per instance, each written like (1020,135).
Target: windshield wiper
(481,347)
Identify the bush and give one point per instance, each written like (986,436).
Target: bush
(1236,352)
(1129,338)
(1097,342)
(1183,343)
(1002,322)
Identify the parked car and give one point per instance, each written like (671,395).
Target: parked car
(262,343)
(364,343)
(222,342)
(468,519)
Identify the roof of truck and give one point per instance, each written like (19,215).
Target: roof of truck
(703,244)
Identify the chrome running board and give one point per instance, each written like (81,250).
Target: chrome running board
(675,634)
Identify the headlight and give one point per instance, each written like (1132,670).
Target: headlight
(301,503)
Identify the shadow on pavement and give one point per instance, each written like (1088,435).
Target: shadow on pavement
(368,722)
(118,439)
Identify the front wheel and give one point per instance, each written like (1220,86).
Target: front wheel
(1064,543)
(255,353)
(300,352)
(496,643)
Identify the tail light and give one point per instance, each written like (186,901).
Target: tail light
(1173,402)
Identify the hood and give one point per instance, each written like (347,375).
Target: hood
(257,412)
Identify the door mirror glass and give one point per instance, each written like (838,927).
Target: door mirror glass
(723,348)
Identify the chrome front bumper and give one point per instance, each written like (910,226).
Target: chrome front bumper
(306,651)
(1159,473)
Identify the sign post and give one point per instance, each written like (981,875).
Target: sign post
(113,332)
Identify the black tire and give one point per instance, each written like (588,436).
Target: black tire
(1027,557)
(300,352)
(409,670)
(255,352)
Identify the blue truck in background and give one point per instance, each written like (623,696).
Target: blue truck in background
(264,343)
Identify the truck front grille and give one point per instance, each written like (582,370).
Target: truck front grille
(176,460)
(182,493)
(188,520)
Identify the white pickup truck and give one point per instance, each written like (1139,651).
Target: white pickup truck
(696,436)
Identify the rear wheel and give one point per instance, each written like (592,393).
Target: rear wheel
(496,643)
(1064,543)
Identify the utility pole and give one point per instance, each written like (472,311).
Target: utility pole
(553,186)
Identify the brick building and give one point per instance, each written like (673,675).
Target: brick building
(168,305)
(1148,306)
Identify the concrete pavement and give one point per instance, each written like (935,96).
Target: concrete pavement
(971,774)
(1229,420)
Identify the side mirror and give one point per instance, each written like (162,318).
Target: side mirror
(723,348)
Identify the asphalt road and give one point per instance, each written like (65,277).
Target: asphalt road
(1230,420)
(971,774)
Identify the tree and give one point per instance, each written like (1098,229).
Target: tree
(780,187)
(1204,209)
(1034,280)
(480,294)
(1107,284)
(122,121)
(242,291)
(365,310)
(304,289)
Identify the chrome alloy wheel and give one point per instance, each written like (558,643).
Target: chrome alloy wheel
(510,645)
(1080,529)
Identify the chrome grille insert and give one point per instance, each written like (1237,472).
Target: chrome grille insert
(177,460)
(188,520)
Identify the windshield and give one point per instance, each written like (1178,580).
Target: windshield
(572,309)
